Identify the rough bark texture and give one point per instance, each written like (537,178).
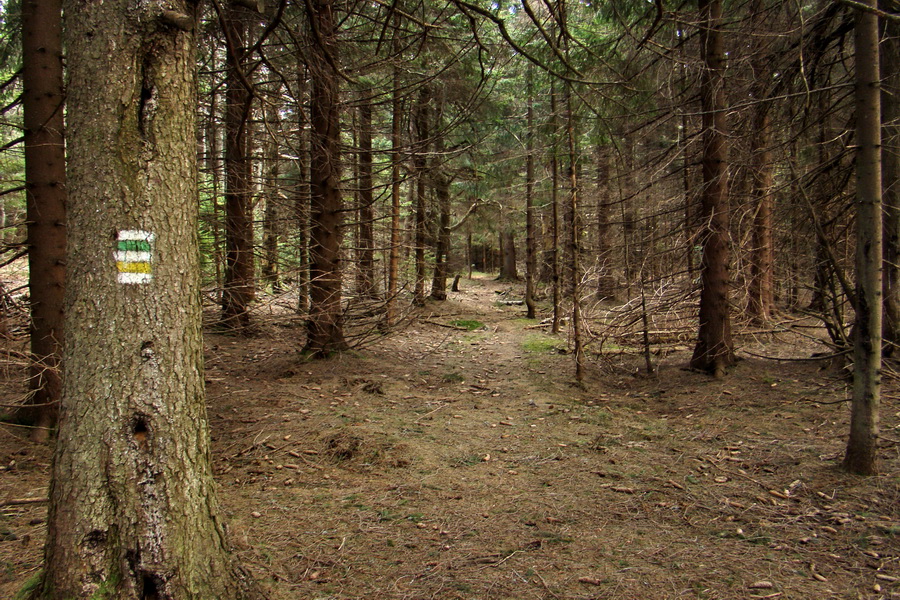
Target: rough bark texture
(271,269)
(508,271)
(890,182)
(45,189)
(301,201)
(761,290)
(574,239)
(239,287)
(606,280)
(863,443)
(442,247)
(442,193)
(325,329)
(761,304)
(530,242)
(420,163)
(133,514)
(714,351)
(393,275)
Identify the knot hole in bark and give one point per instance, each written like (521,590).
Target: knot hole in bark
(150,586)
(140,429)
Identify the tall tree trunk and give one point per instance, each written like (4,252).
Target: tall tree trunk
(239,289)
(530,242)
(714,351)
(574,237)
(301,201)
(631,258)
(271,273)
(391,311)
(606,281)
(554,212)
(508,271)
(442,193)
(890,182)
(420,162)
(213,165)
(761,290)
(45,193)
(365,280)
(133,512)
(325,329)
(861,457)
(762,263)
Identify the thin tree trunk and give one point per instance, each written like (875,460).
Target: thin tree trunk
(239,290)
(761,304)
(530,242)
(271,220)
(301,201)
(890,175)
(366,253)
(325,330)
(133,513)
(420,119)
(442,192)
(396,160)
(862,446)
(606,281)
(554,211)
(714,351)
(45,192)
(574,238)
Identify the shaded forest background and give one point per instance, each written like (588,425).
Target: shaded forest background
(654,172)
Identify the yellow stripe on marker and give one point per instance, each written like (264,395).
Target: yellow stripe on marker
(133,267)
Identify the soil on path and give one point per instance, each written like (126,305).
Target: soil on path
(455,459)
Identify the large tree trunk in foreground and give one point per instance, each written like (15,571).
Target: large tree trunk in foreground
(714,351)
(325,329)
(45,189)
(863,443)
(133,514)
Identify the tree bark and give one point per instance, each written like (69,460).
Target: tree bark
(861,456)
(714,351)
(530,241)
(239,287)
(271,271)
(393,277)
(325,330)
(420,162)
(133,513)
(554,213)
(761,305)
(574,239)
(301,201)
(365,280)
(45,193)
(890,183)
(442,192)
(606,281)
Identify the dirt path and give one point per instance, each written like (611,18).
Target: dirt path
(451,463)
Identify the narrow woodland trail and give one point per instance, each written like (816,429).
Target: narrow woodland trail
(450,463)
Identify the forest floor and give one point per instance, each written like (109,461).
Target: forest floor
(450,463)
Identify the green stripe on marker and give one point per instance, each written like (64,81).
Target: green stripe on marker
(134,245)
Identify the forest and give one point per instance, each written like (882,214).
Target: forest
(469,299)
